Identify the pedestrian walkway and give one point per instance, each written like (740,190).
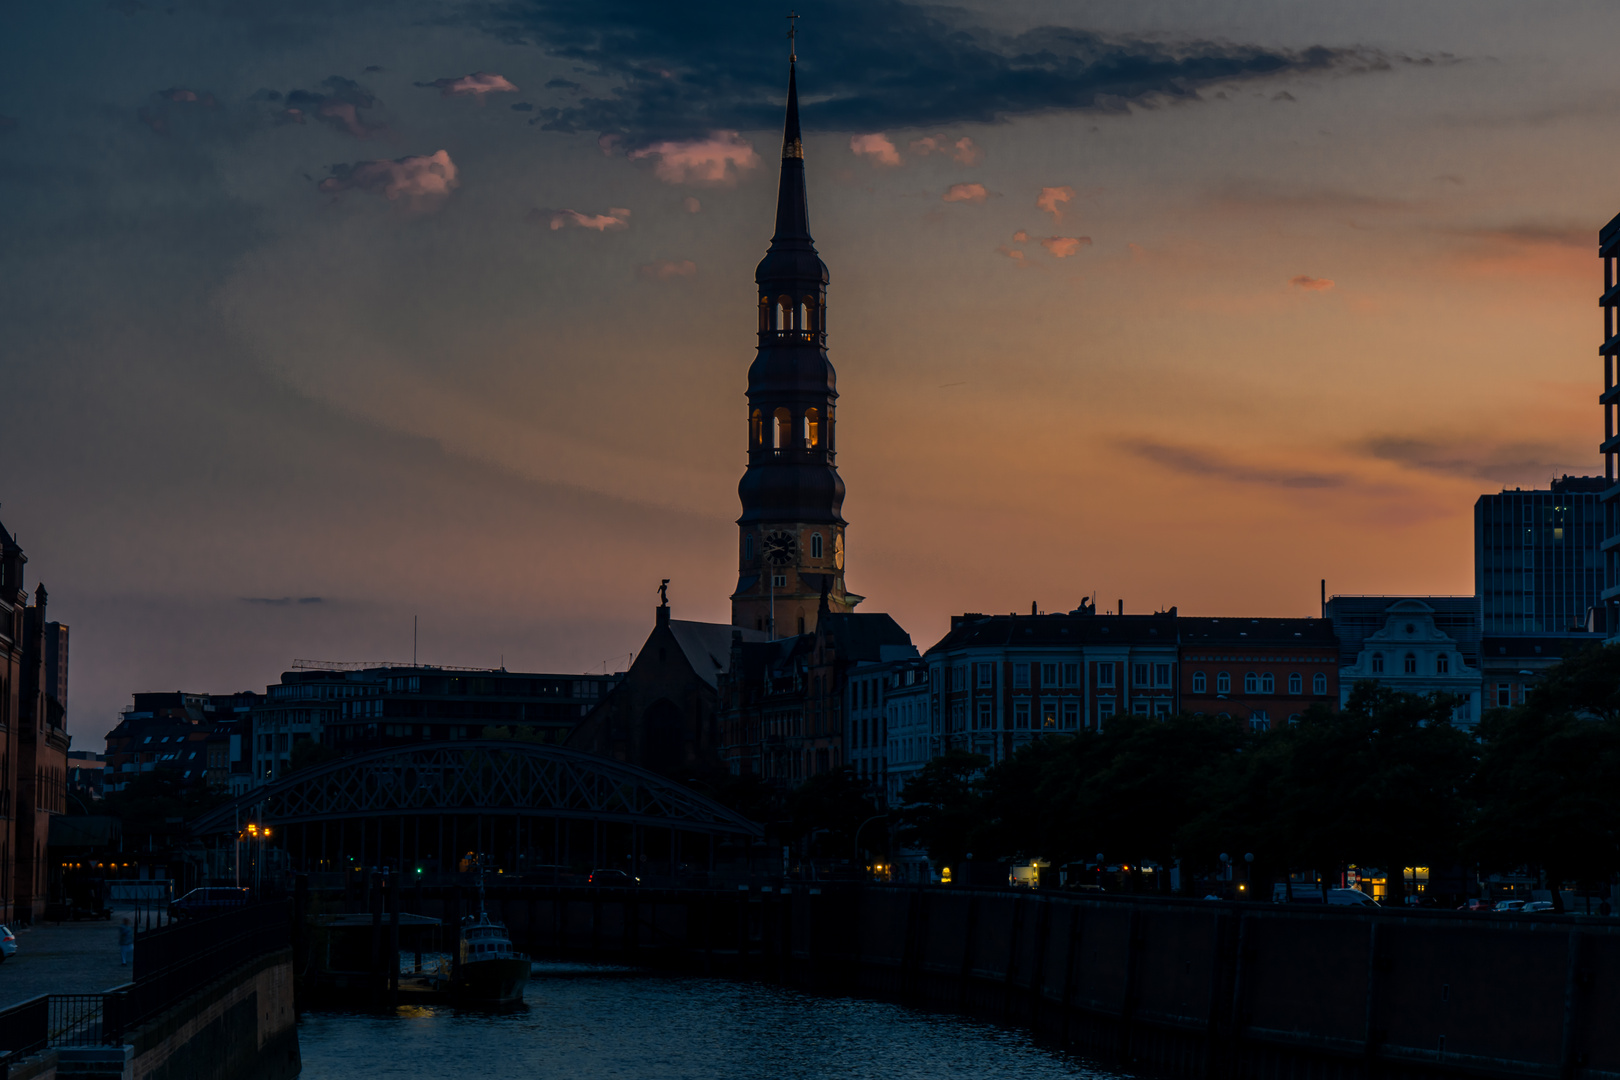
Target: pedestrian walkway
(66,958)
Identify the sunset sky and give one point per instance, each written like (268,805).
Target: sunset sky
(317,317)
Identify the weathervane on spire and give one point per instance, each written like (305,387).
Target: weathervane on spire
(793,33)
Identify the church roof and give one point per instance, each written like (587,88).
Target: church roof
(707,646)
(862,635)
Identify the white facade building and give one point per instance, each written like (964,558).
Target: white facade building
(1412,655)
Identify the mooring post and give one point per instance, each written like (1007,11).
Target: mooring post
(376,904)
(452,934)
(300,943)
(393,944)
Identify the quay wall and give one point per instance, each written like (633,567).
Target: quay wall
(1164,987)
(240,1027)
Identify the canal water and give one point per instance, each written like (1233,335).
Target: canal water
(597,1023)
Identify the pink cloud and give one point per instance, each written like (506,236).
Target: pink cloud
(606,142)
(424,180)
(345,115)
(616,218)
(966,193)
(876,146)
(478,84)
(664,271)
(1064,246)
(1012,253)
(1051,200)
(691,204)
(1021,237)
(1310,284)
(715,161)
(963,150)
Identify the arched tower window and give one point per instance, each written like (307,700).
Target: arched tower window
(812,428)
(815,545)
(783,429)
(764,314)
(756,428)
(748,547)
(784,313)
(807,309)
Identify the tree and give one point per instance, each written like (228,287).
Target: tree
(941,806)
(827,810)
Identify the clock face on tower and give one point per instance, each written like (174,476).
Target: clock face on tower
(779,548)
(838,550)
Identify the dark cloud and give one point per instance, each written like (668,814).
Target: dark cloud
(867,65)
(340,103)
(1475,459)
(7,123)
(1186,459)
(419,181)
(166,103)
(372,69)
(477,85)
(563,84)
(282,601)
(523,106)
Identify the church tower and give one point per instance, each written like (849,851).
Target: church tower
(791,542)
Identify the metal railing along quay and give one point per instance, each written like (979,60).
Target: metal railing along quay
(171,964)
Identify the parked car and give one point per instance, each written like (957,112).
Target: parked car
(1476,904)
(1538,905)
(8,943)
(199,903)
(1509,905)
(1350,898)
(615,879)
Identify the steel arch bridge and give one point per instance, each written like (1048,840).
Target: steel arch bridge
(487,778)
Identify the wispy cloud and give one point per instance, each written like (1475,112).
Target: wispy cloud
(1477,458)
(479,84)
(963,151)
(664,271)
(1310,284)
(877,146)
(422,181)
(617,217)
(340,103)
(974,193)
(882,64)
(715,161)
(1051,199)
(283,601)
(1064,246)
(1209,463)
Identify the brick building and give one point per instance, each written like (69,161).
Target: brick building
(1262,670)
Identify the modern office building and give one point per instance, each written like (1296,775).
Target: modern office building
(1607,618)
(1538,560)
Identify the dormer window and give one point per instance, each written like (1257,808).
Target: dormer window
(1378,663)
(1442,664)
(1410,667)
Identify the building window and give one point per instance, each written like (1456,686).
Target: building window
(1504,695)
(1161,674)
(986,719)
(748,549)
(1223,683)
(1105,676)
(1049,674)
(1259,721)
(1139,674)
(1296,683)
(778,581)
(815,545)
(1071,715)
(1378,663)
(1021,715)
(1020,674)
(1410,667)
(959,677)
(1442,664)
(1161,709)
(1251,683)
(1140,708)
(1049,716)
(958,715)
(1319,684)
(1105,711)
(1071,674)
(1268,683)
(1200,684)
(986,674)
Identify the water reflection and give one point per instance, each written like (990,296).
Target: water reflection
(593,1023)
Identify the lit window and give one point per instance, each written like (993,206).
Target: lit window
(1200,684)
(1223,683)
(1268,683)
(782,429)
(812,429)
(1410,666)
(1378,663)
(1251,683)
(1319,683)
(1296,683)
(1049,716)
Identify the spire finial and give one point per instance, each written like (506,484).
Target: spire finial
(793,33)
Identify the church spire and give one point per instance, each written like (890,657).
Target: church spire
(792,201)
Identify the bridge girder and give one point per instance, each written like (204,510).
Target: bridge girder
(483,776)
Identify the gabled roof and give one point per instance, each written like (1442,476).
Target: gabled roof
(858,636)
(707,646)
